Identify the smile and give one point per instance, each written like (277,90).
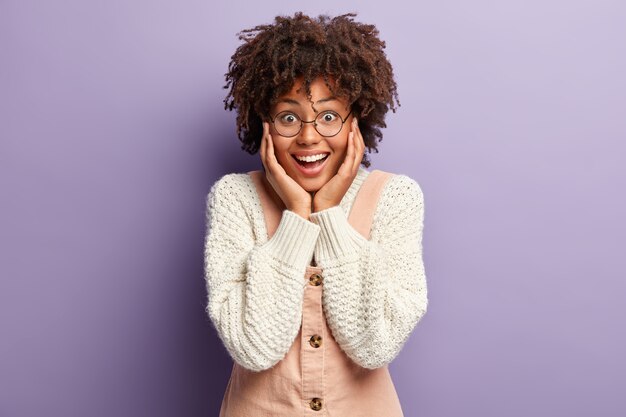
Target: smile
(311,165)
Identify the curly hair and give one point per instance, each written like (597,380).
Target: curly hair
(273,56)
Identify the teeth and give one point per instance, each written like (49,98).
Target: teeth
(311,158)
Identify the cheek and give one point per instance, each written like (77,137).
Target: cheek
(340,147)
(281,151)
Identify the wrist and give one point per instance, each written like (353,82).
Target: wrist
(323,206)
(302,212)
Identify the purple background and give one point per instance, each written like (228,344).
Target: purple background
(112,131)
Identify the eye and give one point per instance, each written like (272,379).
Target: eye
(288,118)
(328,117)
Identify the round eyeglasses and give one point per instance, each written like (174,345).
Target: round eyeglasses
(327,123)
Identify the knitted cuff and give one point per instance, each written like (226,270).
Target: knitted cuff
(293,241)
(337,236)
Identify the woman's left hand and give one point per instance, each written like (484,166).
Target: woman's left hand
(333,191)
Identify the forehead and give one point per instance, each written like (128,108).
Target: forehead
(320,93)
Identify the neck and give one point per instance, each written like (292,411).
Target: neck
(272,192)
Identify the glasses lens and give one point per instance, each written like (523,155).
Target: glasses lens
(287,123)
(328,123)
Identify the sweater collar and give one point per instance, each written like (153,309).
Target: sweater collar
(350,196)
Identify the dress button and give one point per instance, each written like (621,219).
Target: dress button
(316,404)
(315,340)
(315,279)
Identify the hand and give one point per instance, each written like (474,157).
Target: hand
(332,192)
(295,198)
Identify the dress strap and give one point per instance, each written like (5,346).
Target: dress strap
(271,210)
(362,212)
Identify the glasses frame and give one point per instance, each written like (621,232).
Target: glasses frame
(302,122)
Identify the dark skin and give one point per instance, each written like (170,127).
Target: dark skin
(293,196)
(272,56)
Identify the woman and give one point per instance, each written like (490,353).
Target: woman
(313,266)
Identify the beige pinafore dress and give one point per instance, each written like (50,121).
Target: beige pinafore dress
(316,377)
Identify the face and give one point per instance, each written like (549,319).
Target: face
(309,141)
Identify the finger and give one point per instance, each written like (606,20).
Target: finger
(346,166)
(274,165)
(263,134)
(356,146)
(262,148)
(270,147)
(267,153)
(360,136)
(359,146)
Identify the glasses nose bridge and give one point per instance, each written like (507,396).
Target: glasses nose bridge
(303,132)
(313,122)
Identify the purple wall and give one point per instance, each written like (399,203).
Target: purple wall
(112,130)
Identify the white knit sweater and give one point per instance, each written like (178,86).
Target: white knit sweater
(374,290)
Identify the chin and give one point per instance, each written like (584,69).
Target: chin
(311,184)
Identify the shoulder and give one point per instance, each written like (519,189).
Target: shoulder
(233,181)
(401,188)
(400,208)
(232,189)
(401,198)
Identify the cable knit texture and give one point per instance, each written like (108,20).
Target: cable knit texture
(374,290)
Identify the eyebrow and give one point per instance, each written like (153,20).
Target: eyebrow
(292,101)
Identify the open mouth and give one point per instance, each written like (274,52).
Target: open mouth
(310,165)
(311,169)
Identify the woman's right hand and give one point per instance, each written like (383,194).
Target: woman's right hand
(295,198)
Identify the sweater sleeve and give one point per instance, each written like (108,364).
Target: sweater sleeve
(374,290)
(255,290)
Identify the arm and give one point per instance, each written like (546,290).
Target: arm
(374,290)
(255,291)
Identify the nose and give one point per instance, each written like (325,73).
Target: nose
(308,135)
